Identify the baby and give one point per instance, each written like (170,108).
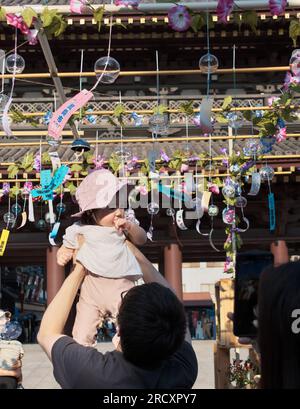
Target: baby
(112,268)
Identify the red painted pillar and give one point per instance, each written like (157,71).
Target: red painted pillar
(173,267)
(280,252)
(55,274)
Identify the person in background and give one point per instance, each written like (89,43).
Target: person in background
(11,353)
(278,331)
(153,343)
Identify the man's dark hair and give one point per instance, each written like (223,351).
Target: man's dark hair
(278,297)
(152,325)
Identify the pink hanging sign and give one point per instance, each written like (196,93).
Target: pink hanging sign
(63,114)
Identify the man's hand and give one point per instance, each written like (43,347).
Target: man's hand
(64,255)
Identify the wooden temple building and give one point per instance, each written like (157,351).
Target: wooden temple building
(264,56)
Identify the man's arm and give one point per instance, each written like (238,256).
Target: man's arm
(151,275)
(57,313)
(136,234)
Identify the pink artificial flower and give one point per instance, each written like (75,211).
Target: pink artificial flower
(32,37)
(143,190)
(18,22)
(280,135)
(224,8)
(99,162)
(127,3)
(212,187)
(179,18)
(272,100)
(277,7)
(184,167)
(78,6)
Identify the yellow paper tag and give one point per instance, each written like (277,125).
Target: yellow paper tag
(3,240)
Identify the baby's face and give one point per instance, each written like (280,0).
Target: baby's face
(106,217)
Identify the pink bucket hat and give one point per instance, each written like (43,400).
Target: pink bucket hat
(97,190)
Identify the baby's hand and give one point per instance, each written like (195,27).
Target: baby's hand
(122,224)
(64,255)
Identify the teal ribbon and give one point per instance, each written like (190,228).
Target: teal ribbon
(272,214)
(49,183)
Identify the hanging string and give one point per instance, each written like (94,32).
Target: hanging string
(121,144)
(108,54)
(208,52)
(3,71)
(80,82)
(234,85)
(97,148)
(157,79)
(7,224)
(187,133)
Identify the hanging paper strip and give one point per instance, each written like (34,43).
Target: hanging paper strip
(255,184)
(205,115)
(30,209)
(51,212)
(3,241)
(53,234)
(272,214)
(211,242)
(205,200)
(5,118)
(64,113)
(55,160)
(24,220)
(188,179)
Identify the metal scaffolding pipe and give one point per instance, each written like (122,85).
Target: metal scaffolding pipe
(248,70)
(136,140)
(160,7)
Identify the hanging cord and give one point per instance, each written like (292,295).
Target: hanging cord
(234,87)
(121,144)
(108,54)
(157,78)
(3,71)
(208,52)
(80,82)
(15,66)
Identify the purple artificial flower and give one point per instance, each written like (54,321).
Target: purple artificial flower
(131,164)
(37,165)
(99,162)
(127,3)
(224,8)
(224,151)
(6,188)
(196,120)
(79,6)
(277,7)
(194,158)
(179,18)
(290,80)
(164,157)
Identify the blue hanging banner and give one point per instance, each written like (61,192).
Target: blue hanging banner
(50,183)
(172,193)
(53,234)
(272,214)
